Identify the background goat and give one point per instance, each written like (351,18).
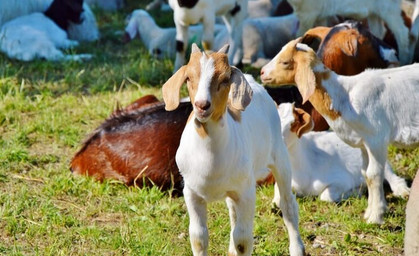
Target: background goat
(220,153)
(369,110)
(42,35)
(322,164)
(308,11)
(87,30)
(191,12)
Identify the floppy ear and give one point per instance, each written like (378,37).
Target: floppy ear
(314,37)
(303,122)
(350,45)
(171,89)
(240,90)
(304,76)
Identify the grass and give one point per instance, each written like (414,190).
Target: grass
(46,109)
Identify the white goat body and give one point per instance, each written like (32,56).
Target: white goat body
(322,164)
(263,37)
(308,11)
(221,154)
(36,36)
(86,31)
(160,42)
(233,12)
(370,110)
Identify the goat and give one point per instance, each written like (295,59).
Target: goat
(191,12)
(322,164)
(87,30)
(369,110)
(136,145)
(411,237)
(262,38)
(349,48)
(308,11)
(41,35)
(160,42)
(220,153)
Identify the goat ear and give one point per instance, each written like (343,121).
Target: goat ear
(195,48)
(240,91)
(171,89)
(305,78)
(304,123)
(224,49)
(350,47)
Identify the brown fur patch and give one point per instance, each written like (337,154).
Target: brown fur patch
(233,195)
(235,114)
(321,99)
(201,129)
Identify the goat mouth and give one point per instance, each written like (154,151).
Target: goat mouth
(202,115)
(266,80)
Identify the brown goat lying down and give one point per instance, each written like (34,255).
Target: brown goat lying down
(136,145)
(348,49)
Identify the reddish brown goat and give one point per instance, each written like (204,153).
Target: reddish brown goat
(136,145)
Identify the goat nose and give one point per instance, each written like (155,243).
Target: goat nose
(203,104)
(262,72)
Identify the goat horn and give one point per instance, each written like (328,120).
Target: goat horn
(224,49)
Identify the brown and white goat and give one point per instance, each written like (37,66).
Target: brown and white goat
(222,153)
(370,110)
(136,145)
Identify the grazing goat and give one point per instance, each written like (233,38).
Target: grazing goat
(136,145)
(87,30)
(369,110)
(308,11)
(262,38)
(42,35)
(160,42)
(411,237)
(191,12)
(322,164)
(221,154)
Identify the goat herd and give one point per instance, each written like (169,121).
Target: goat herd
(230,135)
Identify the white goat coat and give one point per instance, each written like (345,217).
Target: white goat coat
(377,100)
(86,31)
(322,164)
(35,36)
(263,37)
(223,163)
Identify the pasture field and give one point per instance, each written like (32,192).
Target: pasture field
(47,109)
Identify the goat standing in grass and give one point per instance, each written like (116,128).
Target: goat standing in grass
(231,140)
(369,110)
(322,164)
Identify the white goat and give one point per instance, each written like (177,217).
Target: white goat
(308,11)
(191,12)
(221,153)
(160,42)
(263,37)
(322,164)
(369,110)
(411,237)
(86,31)
(36,36)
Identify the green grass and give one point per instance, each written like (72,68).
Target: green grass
(47,109)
